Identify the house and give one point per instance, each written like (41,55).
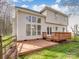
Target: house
(31,24)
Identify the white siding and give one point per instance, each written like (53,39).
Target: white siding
(60,28)
(56,18)
(21,28)
(49,21)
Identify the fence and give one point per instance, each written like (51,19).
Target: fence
(8,48)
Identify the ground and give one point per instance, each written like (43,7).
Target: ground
(62,51)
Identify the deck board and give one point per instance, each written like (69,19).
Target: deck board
(33,45)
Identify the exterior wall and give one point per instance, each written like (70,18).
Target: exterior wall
(54,17)
(21,27)
(60,28)
(52,20)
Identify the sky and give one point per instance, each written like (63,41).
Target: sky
(37,5)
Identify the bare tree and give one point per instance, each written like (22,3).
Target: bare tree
(5,17)
(75,30)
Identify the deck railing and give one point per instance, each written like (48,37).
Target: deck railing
(57,36)
(8,48)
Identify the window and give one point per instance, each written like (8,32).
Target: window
(33,19)
(28,18)
(63,29)
(38,29)
(55,16)
(39,20)
(49,30)
(56,28)
(28,29)
(33,29)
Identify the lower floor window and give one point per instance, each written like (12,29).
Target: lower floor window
(28,29)
(49,30)
(33,29)
(63,29)
(38,29)
(56,28)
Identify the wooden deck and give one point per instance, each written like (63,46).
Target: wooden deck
(57,36)
(25,47)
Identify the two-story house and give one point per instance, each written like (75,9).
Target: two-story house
(31,24)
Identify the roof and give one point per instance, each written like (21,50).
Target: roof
(30,11)
(46,8)
(49,8)
(27,9)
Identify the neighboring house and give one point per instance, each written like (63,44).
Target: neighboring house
(30,24)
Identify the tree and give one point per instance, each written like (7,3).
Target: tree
(75,30)
(6,9)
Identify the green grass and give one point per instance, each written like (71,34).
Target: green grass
(61,51)
(76,38)
(6,40)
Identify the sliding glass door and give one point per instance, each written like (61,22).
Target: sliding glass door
(49,30)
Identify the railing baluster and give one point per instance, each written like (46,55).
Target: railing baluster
(1,54)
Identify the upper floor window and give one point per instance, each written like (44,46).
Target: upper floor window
(33,19)
(55,17)
(28,18)
(39,20)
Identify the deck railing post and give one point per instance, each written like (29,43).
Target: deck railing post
(16,56)
(1,55)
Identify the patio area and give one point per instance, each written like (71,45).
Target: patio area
(25,47)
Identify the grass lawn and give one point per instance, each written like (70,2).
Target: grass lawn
(61,51)
(76,38)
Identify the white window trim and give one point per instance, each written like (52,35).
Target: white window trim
(34,23)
